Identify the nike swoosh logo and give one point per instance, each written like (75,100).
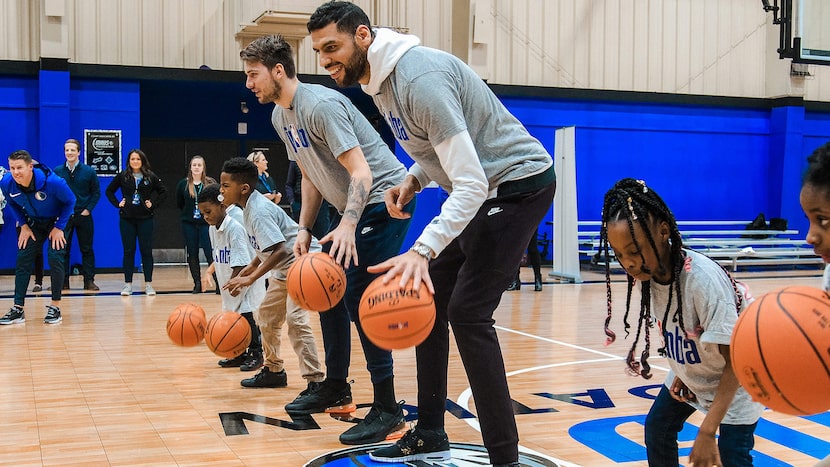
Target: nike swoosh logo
(365,230)
(15,195)
(494,211)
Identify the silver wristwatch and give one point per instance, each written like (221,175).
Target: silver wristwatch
(422,250)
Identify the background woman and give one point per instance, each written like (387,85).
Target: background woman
(141,193)
(265,184)
(194,228)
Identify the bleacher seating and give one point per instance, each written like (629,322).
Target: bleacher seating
(727,242)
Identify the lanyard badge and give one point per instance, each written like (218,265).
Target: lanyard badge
(196,213)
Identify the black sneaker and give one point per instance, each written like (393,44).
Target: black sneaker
(253,362)
(266,379)
(322,397)
(53,315)
(13,316)
(417,444)
(375,427)
(234,362)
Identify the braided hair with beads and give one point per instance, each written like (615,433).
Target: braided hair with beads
(632,201)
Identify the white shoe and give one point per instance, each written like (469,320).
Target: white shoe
(127,290)
(149,290)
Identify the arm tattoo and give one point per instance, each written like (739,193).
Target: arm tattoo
(356,200)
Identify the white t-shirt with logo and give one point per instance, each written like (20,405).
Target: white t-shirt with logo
(709,316)
(231,249)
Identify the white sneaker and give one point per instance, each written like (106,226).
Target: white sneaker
(149,290)
(127,290)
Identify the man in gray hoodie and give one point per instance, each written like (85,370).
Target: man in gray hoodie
(500,182)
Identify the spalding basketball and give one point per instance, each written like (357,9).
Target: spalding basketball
(186,325)
(781,350)
(396,318)
(228,334)
(316,282)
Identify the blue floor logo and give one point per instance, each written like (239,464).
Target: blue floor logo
(463,455)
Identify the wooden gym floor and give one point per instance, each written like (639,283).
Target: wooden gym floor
(106,387)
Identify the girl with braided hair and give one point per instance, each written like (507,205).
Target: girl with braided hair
(694,304)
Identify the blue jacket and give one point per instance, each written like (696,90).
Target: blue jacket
(49,200)
(83,181)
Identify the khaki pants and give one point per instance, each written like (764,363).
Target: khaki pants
(276,309)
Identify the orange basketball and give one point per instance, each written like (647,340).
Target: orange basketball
(781,350)
(315,282)
(186,325)
(196,308)
(228,334)
(396,318)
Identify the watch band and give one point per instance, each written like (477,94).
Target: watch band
(422,250)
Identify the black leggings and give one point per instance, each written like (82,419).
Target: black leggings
(141,229)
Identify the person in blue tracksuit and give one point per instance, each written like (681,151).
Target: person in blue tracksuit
(41,203)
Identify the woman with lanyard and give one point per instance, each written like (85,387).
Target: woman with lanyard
(194,228)
(265,184)
(142,191)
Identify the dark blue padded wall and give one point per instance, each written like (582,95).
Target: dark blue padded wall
(105,105)
(19,121)
(708,162)
(694,157)
(18,114)
(53,92)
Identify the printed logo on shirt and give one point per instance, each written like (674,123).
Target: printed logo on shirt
(222,256)
(297,137)
(15,195)
(253,242)
(680,349)
(494,210)
(396,124)
(365,230)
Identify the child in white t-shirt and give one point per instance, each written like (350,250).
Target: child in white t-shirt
(272,233)
(231,253)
